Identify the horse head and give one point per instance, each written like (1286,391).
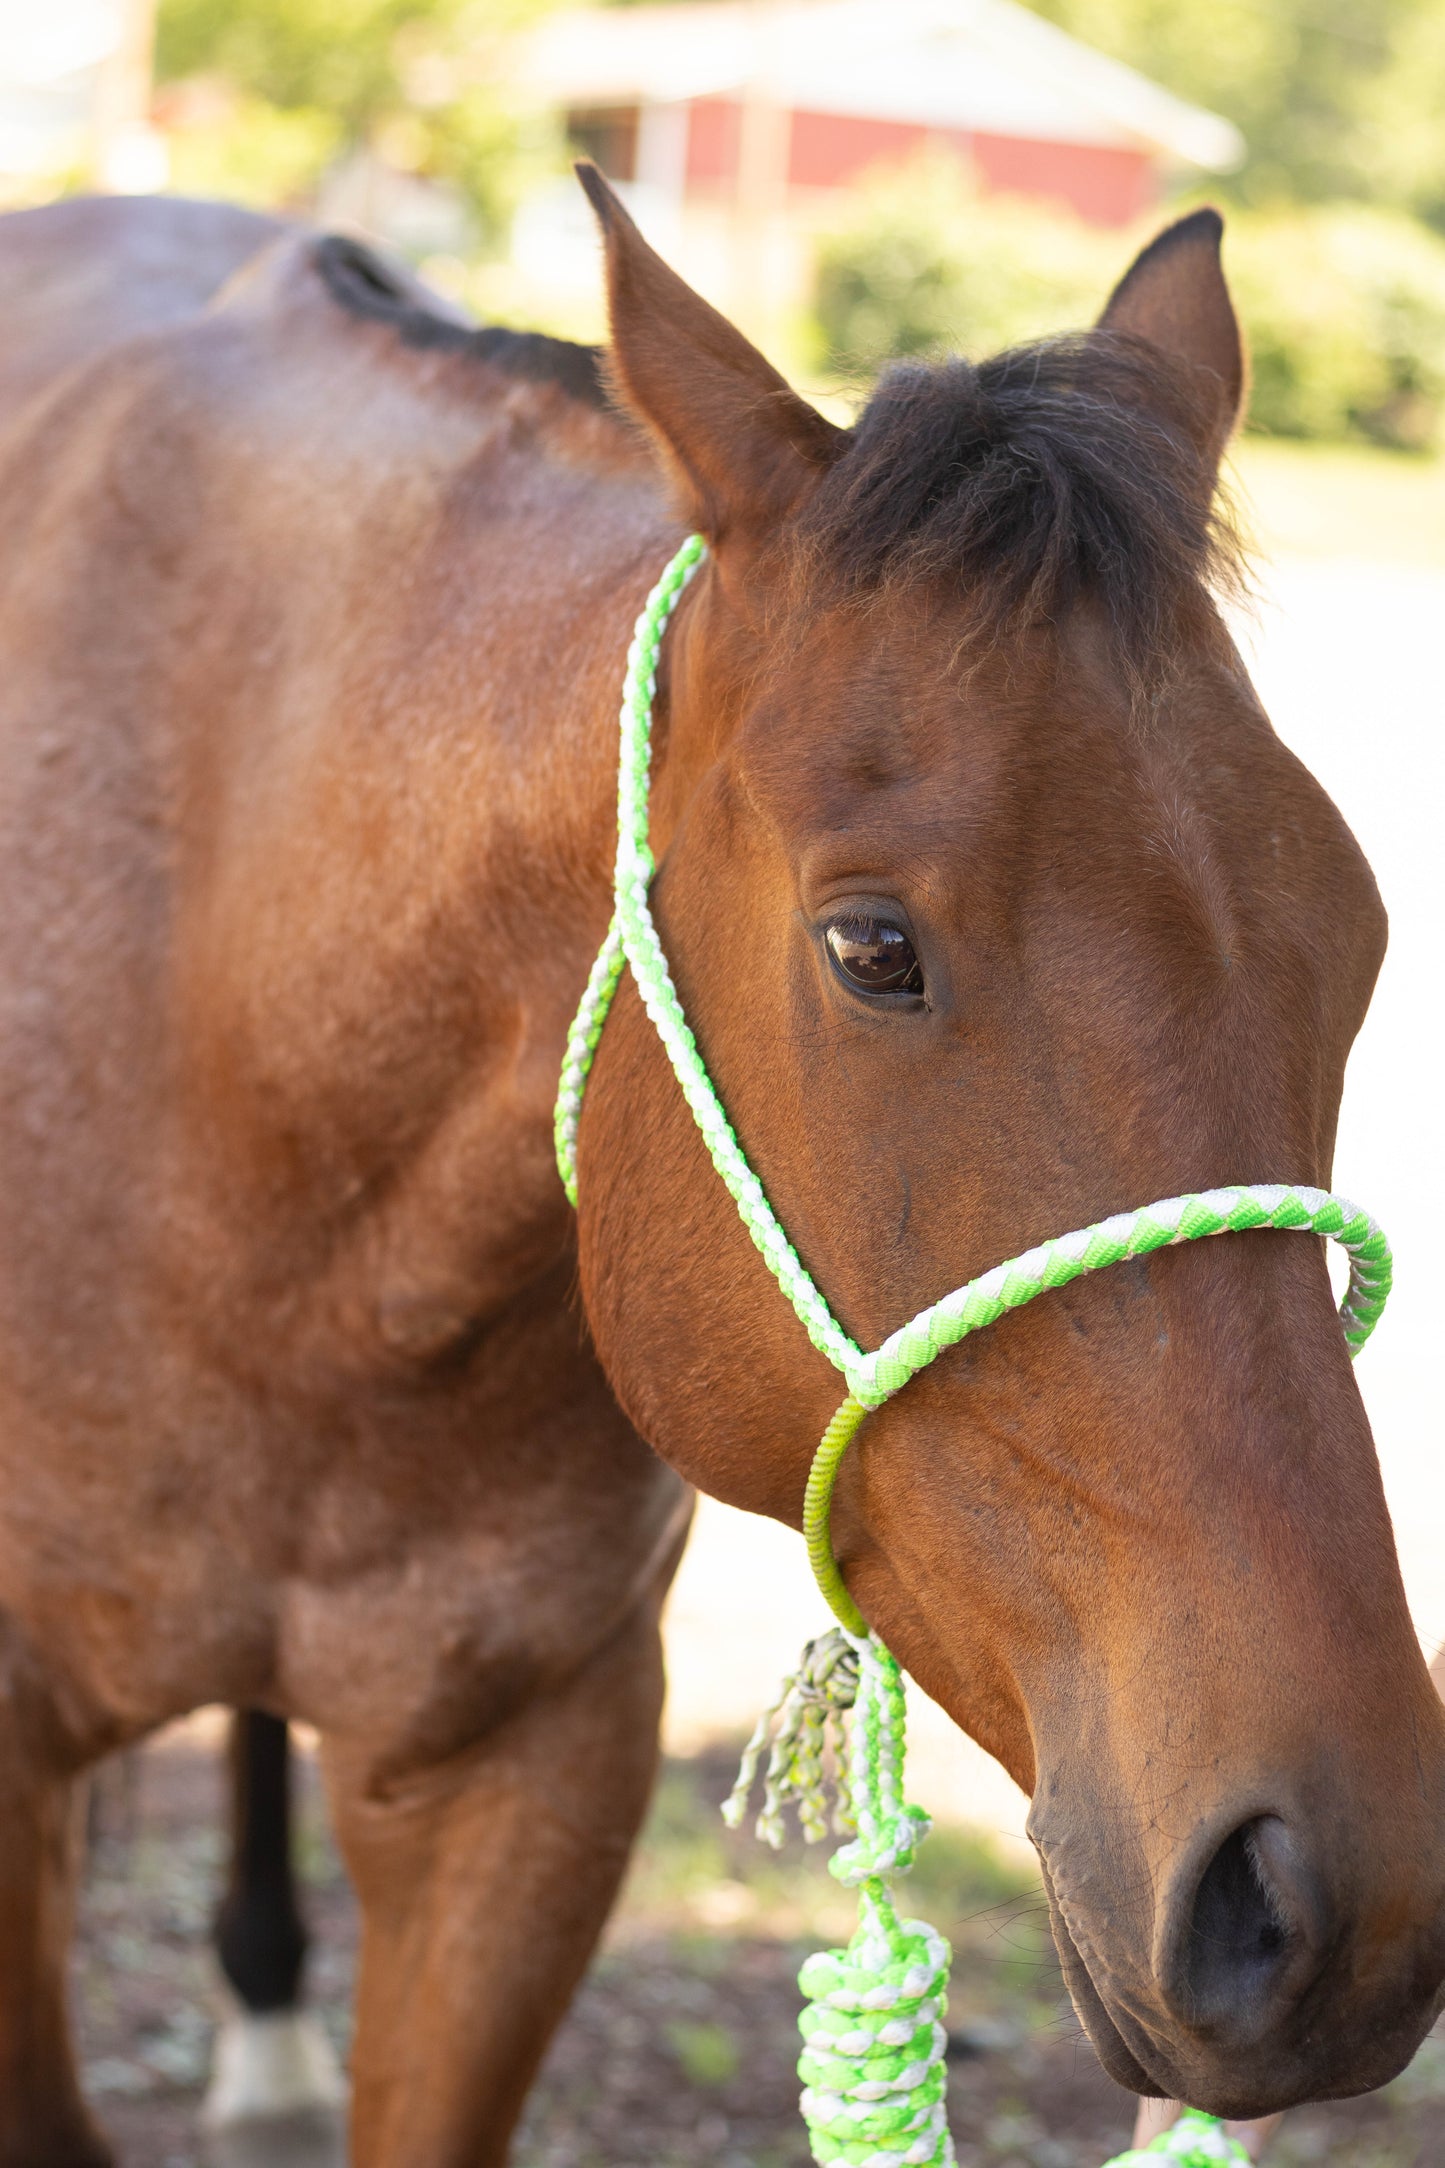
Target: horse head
(997,908)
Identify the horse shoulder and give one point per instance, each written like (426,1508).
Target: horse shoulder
(308,607)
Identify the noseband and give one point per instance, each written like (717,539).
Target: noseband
(872,2062)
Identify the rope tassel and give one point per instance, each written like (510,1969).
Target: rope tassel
(809,1746)
(873,2041)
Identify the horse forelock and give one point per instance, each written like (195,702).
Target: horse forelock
(1021,485)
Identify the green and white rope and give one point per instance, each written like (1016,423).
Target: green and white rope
(1195,2141)
(635,938)
(873,2092)
(872,2066)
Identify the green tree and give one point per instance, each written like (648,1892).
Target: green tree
(1343,304)
(1311,83)
(1402,118)
(311,79)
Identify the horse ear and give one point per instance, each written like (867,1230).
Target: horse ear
(1174,296)
(743,447)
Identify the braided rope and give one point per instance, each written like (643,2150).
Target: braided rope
(872,2065)
(873,2091)
(1053,1264)
(581,1046)
(634,931)
(1195,2141)
(1134,1234)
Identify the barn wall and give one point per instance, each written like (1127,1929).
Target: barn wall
(828,150)
(1107,186)
(714,133)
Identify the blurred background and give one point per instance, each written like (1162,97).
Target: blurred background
(854,180)
(850,178)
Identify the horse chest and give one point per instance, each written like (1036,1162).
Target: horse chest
(404,1550)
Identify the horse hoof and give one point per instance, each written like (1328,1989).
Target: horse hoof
(277,2063)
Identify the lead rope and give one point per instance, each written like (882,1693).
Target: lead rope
(872,2063)
(1195,2141)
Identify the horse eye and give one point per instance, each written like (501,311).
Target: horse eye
(873,957)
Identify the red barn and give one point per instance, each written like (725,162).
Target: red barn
(770,106)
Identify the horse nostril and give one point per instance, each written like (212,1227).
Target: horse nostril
(1250,1931)
(1236,1928)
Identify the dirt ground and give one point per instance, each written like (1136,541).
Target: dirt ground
(679,2049)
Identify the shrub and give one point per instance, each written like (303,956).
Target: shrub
(1344,311)
(1343,306)
(922,266)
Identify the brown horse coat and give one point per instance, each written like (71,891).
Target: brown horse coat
(313,608)
(296,1409)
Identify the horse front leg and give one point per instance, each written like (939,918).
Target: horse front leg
(484,1884)
(43,2120)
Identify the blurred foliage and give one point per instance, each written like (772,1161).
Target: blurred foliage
(1344,309)
(251,152)
(1334,97)
(1301,498)
(1402,118)
(919,264)
(263,95)
(706,2054)
(1343,305)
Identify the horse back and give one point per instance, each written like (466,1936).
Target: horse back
(81,274)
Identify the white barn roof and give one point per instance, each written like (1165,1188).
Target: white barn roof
(987,66)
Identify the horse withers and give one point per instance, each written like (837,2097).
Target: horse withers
(997,907)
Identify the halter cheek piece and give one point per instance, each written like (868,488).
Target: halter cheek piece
(872,2061)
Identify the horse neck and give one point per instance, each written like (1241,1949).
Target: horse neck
(405,899)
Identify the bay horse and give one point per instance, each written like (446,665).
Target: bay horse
(997,907)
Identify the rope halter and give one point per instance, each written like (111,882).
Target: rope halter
(873,2082)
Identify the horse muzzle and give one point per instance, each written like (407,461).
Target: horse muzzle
(1266,1981)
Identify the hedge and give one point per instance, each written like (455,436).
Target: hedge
(1343,306)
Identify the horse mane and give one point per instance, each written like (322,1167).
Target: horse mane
(1056,470)
(1052,471)
(362,282)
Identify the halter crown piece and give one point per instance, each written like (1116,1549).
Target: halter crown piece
(873,2040)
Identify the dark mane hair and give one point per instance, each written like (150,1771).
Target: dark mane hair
(1051,472)
(366,285)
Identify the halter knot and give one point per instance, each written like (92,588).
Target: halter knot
(872,2066)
